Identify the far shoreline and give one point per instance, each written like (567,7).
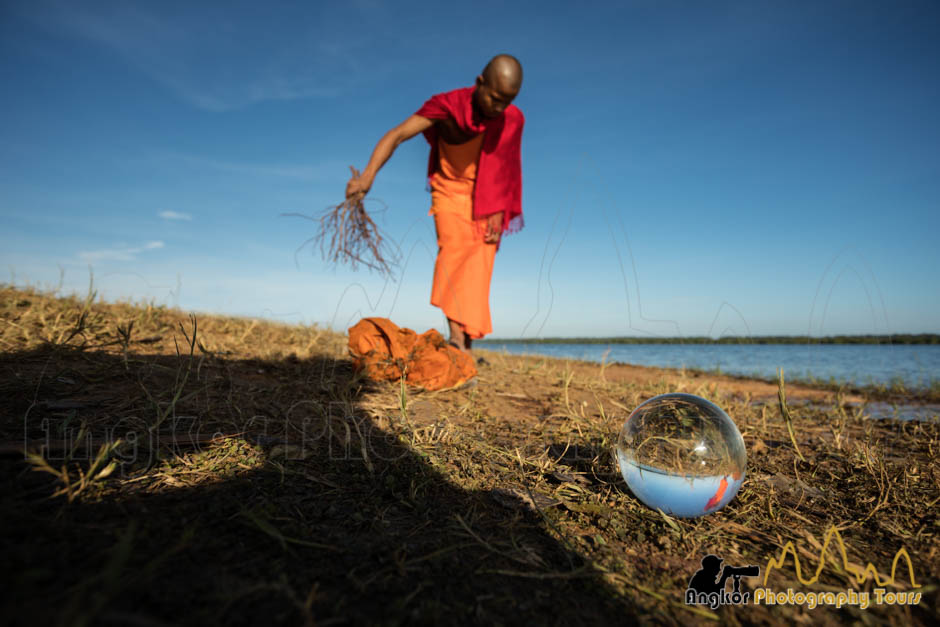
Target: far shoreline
(798,388)
(925,339)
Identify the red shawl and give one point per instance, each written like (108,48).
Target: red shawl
(498,186)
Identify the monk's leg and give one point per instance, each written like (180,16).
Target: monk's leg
(462,274)
(459,337)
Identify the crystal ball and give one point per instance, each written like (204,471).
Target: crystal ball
(682,454)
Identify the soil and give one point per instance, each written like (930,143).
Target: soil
(213,470)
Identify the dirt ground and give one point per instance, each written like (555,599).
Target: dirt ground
(215,470)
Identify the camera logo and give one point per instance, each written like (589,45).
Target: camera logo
(707,585)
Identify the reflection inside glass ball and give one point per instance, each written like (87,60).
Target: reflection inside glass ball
(682,454)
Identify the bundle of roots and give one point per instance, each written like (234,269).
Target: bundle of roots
(349,236)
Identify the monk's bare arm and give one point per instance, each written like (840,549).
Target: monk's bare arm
(383,150)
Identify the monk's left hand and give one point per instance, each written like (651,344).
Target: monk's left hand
(494,228)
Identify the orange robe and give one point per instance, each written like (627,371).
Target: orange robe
(464,263)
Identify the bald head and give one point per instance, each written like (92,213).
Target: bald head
(504,70)
(498,85)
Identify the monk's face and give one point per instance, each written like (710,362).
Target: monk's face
(494,95)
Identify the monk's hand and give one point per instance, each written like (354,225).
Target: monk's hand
(359,185)
(494,228)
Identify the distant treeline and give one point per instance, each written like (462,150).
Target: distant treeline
(919,338)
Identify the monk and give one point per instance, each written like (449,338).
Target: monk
(475,176)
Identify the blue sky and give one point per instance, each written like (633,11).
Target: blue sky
(689,168)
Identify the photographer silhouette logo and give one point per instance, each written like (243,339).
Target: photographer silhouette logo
(708,585)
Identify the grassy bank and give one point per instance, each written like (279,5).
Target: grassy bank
(233,471)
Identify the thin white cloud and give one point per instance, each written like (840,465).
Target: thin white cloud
(210,56)
(175,215)
(119,253)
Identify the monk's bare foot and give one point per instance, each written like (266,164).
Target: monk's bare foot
(461,348)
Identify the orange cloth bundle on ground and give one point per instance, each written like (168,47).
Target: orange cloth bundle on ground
(385,351)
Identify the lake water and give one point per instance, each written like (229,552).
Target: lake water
(917,366)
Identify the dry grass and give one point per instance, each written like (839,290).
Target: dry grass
(226,470)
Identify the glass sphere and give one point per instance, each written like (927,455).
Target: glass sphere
(682,454)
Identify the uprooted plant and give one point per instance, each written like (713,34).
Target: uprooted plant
(348,235)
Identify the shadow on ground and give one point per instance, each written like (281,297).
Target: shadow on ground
(313,514)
